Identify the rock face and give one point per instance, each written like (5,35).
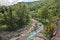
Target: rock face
(57,32)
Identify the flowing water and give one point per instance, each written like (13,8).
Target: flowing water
(34,33)
(31,33)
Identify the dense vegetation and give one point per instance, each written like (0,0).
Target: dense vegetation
(13,17)
(16,16)
(48,11)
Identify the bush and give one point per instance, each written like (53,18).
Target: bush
(3,27)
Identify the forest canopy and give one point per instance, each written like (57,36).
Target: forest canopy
(13,17)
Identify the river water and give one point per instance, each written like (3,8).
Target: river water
(34,33)
(31,33)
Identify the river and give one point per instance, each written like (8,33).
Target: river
(31,34)
(34,33)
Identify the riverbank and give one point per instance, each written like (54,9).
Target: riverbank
(21,33)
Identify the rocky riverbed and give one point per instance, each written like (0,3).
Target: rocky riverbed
(20,34)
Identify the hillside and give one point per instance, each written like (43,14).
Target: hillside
(18,16)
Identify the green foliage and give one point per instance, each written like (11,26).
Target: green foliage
(47,10)
(3,27)
(18,15)
(14,17)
